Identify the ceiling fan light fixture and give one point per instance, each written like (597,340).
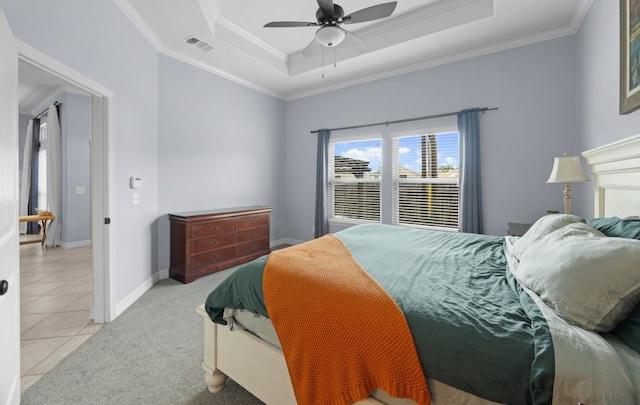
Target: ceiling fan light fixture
(330,36)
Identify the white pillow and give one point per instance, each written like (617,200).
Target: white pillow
(589,279)
(541,228)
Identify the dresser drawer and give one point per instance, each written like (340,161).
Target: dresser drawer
(254,247)
(211,228)
(214,256)
(253,234)
(253,221)
(212,243)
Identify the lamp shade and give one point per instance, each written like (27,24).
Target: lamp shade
(330,36)
(567,169)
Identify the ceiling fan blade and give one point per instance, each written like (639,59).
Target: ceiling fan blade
(356,42)
(326,6)
(287,24)
(371,13)
(313,47)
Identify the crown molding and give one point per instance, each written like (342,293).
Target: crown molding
(206,67)
(139,23)
(253,40)
(429,63)
(230,34)
(581,12)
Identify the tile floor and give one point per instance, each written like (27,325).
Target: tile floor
(56,297)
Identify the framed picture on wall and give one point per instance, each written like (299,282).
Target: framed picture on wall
(629,55)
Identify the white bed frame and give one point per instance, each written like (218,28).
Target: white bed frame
(260,367)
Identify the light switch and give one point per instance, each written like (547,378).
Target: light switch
(80,190)
(135,198)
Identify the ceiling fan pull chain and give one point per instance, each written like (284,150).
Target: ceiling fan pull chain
(323,62)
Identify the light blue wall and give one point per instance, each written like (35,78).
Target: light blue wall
(200,141)
(533,87)
(75,130)
(220,145)
(598,85)
(100,42)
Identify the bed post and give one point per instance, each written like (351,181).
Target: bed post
(213,377)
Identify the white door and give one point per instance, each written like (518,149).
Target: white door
(9,247)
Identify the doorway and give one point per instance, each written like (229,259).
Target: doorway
(101,108)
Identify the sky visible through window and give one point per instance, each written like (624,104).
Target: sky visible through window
(410,153)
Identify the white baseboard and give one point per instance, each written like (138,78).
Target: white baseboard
(73,245)
(162,274)
(137,293)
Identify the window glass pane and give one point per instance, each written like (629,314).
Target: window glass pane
(354,179)
(42,180)
(42,169)
(427,156)
(425,173)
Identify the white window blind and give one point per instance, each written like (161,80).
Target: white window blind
(354,180)
(425,180)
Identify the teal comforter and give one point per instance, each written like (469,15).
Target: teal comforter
(474,327)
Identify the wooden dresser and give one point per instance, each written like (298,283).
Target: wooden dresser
(203,242)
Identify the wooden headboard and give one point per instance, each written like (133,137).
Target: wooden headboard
(616,176)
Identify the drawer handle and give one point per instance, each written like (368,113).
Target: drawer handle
(252,222)
(213,228)
(213,243)
(252,235)
(213,257)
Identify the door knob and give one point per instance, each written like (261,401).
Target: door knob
(4,287)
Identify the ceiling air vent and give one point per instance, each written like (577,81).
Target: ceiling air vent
(203,46)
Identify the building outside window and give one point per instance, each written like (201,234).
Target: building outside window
(425,180)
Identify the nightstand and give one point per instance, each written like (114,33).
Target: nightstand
(517,229)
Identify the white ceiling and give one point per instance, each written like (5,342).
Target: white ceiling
(419,34)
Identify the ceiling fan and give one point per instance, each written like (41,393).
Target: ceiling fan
(330,17)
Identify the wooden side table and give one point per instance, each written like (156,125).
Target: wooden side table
(517,229)
(44,219)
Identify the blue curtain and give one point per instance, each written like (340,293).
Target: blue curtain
(470,178)
(322,218)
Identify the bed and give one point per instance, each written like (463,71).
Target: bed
(575,348)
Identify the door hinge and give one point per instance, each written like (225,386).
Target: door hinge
(107,221)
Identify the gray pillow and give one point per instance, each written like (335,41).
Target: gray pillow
(591,280)
(541,228)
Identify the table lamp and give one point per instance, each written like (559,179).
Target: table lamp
(567,169)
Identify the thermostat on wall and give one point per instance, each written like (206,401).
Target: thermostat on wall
(135,182)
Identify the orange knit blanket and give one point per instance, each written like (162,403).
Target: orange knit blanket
(342,335)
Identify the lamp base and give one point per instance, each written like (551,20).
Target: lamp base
(567,198)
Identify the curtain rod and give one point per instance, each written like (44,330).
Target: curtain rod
(428,117)
(46,111)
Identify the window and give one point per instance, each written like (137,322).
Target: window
(425,180)
(354,180)
(42,168)
(407,178)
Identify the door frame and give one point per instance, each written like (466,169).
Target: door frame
(102,175)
